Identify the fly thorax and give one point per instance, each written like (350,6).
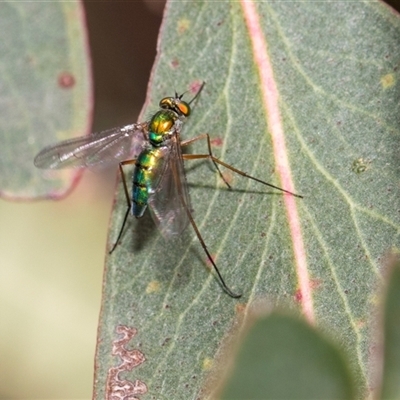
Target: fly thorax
(161,126)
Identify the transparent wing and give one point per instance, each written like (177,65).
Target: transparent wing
(167,203)
(102,149)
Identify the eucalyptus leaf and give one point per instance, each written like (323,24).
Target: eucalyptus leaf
(282,357)
(45,91)
(335,69)
(391,336)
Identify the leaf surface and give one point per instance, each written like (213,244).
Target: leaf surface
(330,133)
(282,357)
(45,92)
(391,336)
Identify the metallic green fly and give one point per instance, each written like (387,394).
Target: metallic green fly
(159,182)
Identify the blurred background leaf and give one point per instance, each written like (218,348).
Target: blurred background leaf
(391,335)
(53,252)
(45,94)
(282,357)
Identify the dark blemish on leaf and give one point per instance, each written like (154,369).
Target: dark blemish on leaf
(217,142)
(263,234)
(219,23)
(298,296)
(360,324)
(174,63)
(315,283)
(166,340)
(360,165)
(240,308)
(338,123)
(195,86)
(66,80)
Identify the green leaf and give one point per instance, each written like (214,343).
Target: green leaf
(45,91)
(391,355)
(336,107)
(282,357)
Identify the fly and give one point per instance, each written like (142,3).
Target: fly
(159,182)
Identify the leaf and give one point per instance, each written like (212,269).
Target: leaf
(282,357)
(391,355)
(305,97)
(45,92)
(337,103)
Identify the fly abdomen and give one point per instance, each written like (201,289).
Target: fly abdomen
(146,176)
(140,197)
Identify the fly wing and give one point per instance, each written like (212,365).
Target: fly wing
(99,149)
(170,198)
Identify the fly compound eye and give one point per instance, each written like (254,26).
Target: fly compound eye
(167,103)
(183,108)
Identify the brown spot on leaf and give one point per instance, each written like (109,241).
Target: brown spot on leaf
(174,63)
(315,283)
(195,86)
(217,142)
(66,80)
(298,296)
(240,308)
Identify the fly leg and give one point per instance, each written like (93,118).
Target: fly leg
(203,245)
(216,161)
(210,154)
(128,202)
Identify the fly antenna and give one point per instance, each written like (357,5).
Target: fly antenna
(198,93)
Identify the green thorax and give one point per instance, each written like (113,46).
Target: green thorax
(160,126)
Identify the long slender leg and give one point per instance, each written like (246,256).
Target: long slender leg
(211,156)
(203,245)
(198,234)
(128,202)
(238,171)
